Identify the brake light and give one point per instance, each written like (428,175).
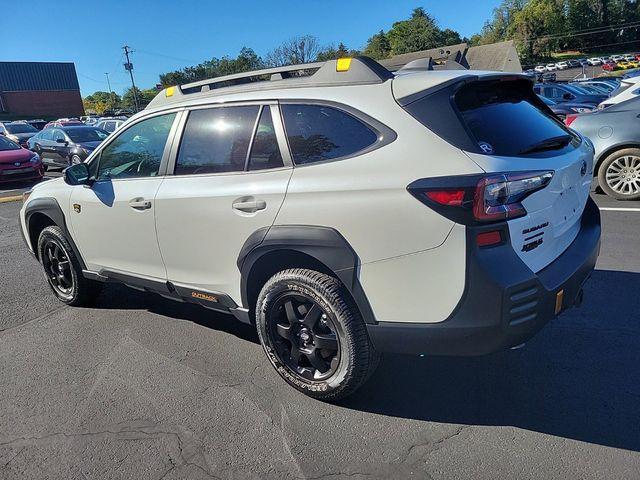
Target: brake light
(452,198)
(569,119)
(474,199)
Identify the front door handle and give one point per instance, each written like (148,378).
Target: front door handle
(140,204)
(249,205)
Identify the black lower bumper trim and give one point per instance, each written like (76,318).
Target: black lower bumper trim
(504,303)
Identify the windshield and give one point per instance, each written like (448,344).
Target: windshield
(79,135)
(578,90)
(19,128)
(6,144)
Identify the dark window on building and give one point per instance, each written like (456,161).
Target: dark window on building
(216,140)
(136,151)
(265,152)
(318,132)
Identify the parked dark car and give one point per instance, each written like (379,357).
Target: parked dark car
(615,136)
(563,109)
(64,146)
(561,92)
(38,123)
(19,132)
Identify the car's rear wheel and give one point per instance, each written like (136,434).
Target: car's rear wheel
(62,269)
(313,334)
(619,174)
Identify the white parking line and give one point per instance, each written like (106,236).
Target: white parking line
(619,209)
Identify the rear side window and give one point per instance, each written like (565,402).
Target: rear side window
(216,140)
(317,132)
(505,118)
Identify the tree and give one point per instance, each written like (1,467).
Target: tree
(332,52)
(296,50)
(496,29)
(99,101)
(144,97)
(247,60)
(536,28)
(378,46)
(420,32)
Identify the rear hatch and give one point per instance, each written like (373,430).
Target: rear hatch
(506,129)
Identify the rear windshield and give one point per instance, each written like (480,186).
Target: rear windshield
(80,135)
(19,128)
(506,118)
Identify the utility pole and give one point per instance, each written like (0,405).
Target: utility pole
(108,83)
(129,67)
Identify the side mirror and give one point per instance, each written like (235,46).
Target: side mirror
(61,140)
(77,174)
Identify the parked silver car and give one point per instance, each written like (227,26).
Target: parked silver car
(616,137)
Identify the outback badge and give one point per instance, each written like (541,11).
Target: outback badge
(77,208)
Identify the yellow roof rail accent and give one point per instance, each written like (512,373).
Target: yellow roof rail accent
(343,64)
(169,92)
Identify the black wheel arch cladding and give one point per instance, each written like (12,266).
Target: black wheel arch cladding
(323,244)
(50,208)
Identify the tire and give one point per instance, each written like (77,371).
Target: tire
(301,315)
(58,260)
(45,167)
(619,174)
(74,160)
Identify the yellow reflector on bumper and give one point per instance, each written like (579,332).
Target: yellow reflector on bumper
(169,91)
(343,64)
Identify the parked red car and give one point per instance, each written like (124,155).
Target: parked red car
(17,163)
(610,66)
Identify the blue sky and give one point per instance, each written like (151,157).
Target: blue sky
(167,35)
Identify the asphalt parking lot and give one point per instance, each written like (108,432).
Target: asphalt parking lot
(141,387)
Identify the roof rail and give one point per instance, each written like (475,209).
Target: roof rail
(352,71)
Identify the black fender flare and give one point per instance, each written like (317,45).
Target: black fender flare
(50,207)
(324,244)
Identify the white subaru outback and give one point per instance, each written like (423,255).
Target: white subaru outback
(343,210)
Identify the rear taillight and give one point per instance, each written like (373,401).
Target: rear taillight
(569,119)
(477,199)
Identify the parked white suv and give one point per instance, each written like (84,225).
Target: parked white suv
(343,210)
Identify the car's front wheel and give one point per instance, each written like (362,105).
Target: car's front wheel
(619,174)
(62,269)
(313,334)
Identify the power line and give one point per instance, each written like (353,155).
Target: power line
(590,31)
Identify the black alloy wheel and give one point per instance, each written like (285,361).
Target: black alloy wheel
(304,336)
(313,334)
(57,267)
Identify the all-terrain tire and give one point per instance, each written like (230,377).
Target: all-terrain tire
(77,291)
(356,359)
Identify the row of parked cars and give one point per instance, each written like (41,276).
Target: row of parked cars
(614,62)
(28,148)
(610,121)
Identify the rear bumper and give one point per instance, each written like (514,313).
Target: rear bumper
(504,303)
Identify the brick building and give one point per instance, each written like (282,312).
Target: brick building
(39,90)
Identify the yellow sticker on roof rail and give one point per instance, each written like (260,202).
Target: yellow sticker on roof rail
(169,91)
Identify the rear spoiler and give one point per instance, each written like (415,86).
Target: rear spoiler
(409,88)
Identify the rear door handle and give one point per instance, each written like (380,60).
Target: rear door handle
(249,205)
(140,204)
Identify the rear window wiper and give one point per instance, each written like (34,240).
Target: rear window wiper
(552,143)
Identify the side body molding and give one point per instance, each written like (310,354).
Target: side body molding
(49,207)
(325,245)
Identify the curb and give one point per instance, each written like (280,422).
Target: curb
(14,198)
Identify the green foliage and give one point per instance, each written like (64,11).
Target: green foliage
(420,32)
(332,52)
(378,46)
(247,60)
(144,97)
(98,102)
